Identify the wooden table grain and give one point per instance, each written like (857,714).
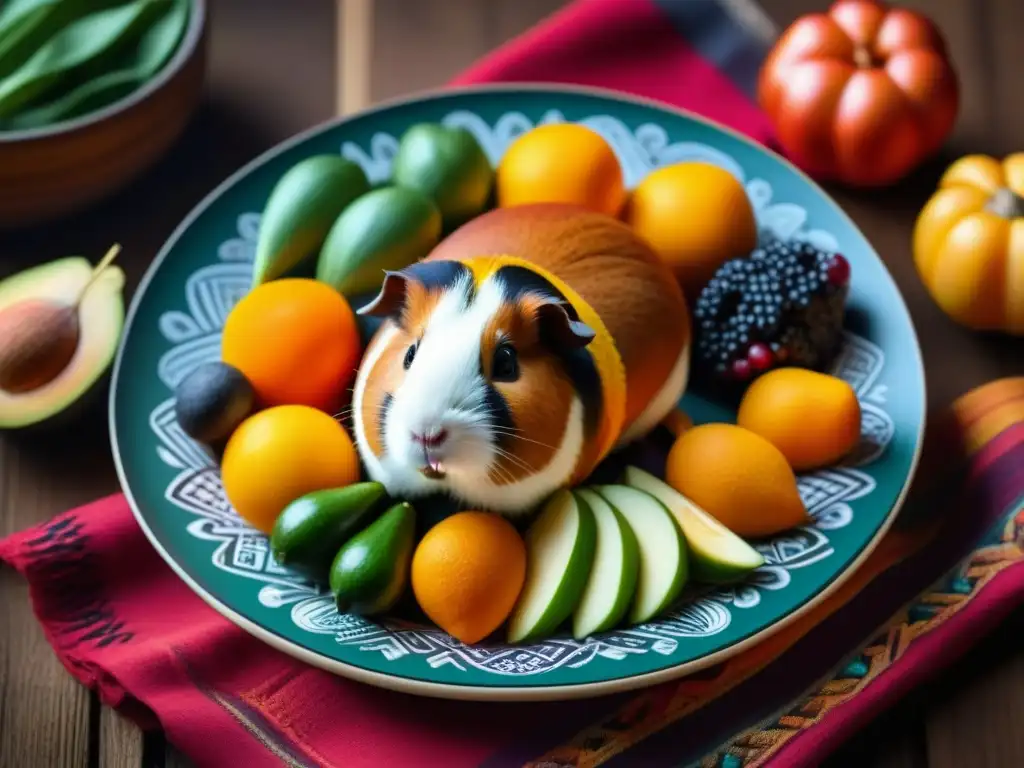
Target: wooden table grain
(278,68)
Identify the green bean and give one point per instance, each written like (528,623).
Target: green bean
(148,56)
(15,11)
(22,24)
(25,25)
(75,46)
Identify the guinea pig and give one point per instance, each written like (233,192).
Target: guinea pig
(525,347)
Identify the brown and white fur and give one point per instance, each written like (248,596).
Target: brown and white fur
(455,420)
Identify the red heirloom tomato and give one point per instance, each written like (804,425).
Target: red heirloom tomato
(860,94)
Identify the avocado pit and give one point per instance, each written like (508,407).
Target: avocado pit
(38,339)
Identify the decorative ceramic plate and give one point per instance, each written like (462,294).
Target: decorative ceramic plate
(175,322)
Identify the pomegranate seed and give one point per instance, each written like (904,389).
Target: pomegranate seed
(760,357)
(838,270)
(741,369)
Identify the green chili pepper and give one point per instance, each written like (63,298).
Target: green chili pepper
(75,46)
(146,58)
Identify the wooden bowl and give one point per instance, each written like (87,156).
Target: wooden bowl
(48,172)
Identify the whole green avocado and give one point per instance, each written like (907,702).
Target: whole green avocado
(386,229)
(371,570)
(310,530)
(301,210)
(447,164)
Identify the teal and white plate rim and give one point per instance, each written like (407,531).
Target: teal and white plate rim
(563,691)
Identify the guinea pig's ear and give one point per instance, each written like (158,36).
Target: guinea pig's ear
(391,299)
(560,327)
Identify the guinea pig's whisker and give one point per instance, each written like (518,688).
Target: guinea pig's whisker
(515,460)
(515,435)
(494,470)
(502,473)
(478,414)
(517,465)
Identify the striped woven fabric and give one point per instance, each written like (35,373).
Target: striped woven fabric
(123,624)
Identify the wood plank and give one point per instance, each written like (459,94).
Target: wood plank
(270,75)
(121,743)
(175,759)
(982,725)
(44,713)
(976,710)
(1002,39)
(980,719)
(903,752)
(354,54)
(896,740)
(422,45)
(895,751)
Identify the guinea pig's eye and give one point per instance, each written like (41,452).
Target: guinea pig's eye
(505,366)
(410,355)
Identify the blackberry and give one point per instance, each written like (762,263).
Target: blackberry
(783,304)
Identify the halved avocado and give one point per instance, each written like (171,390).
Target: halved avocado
(100,323)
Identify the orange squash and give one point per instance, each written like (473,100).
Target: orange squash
(860,94)
(969,243)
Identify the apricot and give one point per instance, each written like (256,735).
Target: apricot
(720,221)
(737,477)
(277,455)
(561,163)
(813,418)
(297,342)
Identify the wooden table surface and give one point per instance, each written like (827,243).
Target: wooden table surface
(273,72)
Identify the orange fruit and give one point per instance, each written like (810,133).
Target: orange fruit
(737,477)
(467,573)
(277,455)
(696,216)
(561,163)
(297,342)
(813,418)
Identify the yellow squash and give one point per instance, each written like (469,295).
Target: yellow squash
(969,243)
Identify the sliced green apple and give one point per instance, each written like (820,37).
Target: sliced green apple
(663,562)
(612,581)
(559,553)
(717,554)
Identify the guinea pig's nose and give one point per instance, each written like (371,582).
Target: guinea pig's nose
(430,439)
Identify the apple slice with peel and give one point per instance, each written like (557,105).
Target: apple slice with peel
(663,562)
(559,553)
(612,581)
(717,554)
